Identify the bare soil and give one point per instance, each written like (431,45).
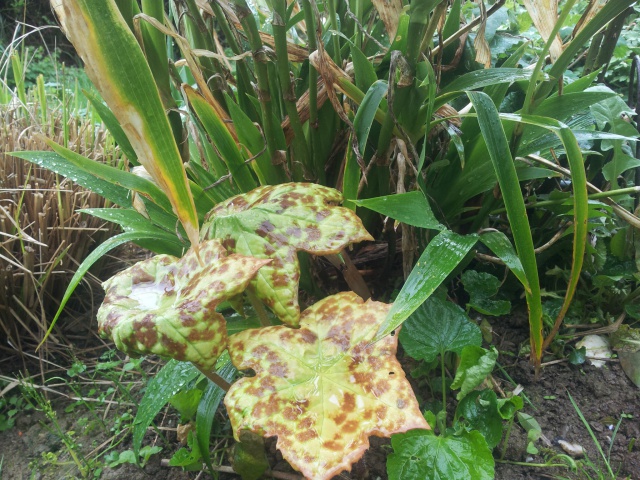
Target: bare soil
(33,450)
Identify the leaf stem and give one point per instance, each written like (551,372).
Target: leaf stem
(503,450)
(215,378)
(259,308)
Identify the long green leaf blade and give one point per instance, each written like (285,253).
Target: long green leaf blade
(498,147)
(116,65)
(439,259)
(223,140)
(88,262)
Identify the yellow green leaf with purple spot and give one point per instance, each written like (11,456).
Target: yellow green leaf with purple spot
(322,389)
(167,305)
(277,221)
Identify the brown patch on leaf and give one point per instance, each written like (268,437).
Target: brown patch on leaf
(275,222)
(330,401)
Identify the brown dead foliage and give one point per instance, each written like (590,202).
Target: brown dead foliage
(42,237)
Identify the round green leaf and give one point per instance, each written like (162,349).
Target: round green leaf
(479,410)
(438,326)
(421,454)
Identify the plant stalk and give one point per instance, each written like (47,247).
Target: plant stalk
(300,155)
(260,60)
(215,378)
(311,24)
(259,308)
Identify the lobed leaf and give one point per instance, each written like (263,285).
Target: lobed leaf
(274,222)
(325,388)
(166,305)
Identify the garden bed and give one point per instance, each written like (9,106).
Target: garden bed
(603,395)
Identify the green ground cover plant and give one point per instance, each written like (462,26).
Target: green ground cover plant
(233,143)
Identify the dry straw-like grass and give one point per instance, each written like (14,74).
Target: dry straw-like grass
(42,237)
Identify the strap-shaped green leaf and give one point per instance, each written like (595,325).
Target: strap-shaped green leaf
(166,306)
(442,255)
(505,171)
(274,222)
(224,142)
(117,67)
(322,389)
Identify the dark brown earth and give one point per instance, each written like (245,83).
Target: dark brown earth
(31,450)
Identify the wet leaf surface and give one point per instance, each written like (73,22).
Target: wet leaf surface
(275,222)
(167,306)
(322,389)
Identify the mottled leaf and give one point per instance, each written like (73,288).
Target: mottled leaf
(325,388)
(166,305)
(436,327)
(423,455)
(277,221)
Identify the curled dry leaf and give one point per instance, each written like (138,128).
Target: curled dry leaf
(322,389)
(167,306)
(274,222)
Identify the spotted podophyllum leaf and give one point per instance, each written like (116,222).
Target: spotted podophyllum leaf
(325,388)
(166,305)
(277,221)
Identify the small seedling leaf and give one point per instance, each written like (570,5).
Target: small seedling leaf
(475,364)
(166,306)
(322,389)
(274,222)
(438,326)
(186,402)
(421,454)
(480,411)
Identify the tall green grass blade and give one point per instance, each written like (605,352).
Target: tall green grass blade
(18,77)
(222,139)
(580,205)
(42,99)
(592,435)
(363,70)
(250,138)
(498,147)
(116,65)
(443,254)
